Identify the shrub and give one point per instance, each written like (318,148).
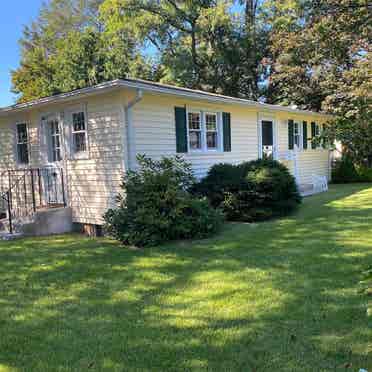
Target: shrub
(156,206)
(364,173)
(221,179)
(345,171)
(251,191)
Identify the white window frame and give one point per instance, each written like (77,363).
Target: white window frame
(195,130)
(54,150)
(19,162)
(44,118)
(203,130)
(217,131)
(80,154)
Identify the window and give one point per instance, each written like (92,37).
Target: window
(315,133)
(195,130)
(55,139)
(22,144)
(203,131)
(211,131)
(317,130)
(297,135)
(79,133)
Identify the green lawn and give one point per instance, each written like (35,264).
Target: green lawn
(277,296)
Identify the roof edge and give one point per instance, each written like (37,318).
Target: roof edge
(156,88)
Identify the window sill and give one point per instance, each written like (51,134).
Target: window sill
(82,156)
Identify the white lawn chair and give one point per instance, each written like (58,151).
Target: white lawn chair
(320,183)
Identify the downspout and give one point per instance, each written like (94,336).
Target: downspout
(129,133)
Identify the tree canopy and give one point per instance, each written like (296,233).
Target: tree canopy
(313,54)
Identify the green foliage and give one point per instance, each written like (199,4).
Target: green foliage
(364,173)
(345,171)
(251,191)
(366,288)
(321,60)
(200,44)
(197,44)
(68,47)
(314,54)
(221,179)
(275,297)
(352,106)
(156,206)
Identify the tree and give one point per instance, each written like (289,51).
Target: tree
(351,103)
(68,47)
(321,60)
(200,44)
(312,46)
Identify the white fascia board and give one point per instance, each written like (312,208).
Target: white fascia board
(63,97)
(211,97)
(148,86)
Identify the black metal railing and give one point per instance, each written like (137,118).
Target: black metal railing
(24,191)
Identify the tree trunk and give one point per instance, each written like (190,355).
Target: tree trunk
(251,35)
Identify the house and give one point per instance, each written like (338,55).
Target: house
(70,151)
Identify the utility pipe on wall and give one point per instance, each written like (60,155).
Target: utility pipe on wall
(130,130)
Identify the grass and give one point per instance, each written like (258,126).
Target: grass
(276,296)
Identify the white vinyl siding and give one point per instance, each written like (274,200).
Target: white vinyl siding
(154,130)
(94,182)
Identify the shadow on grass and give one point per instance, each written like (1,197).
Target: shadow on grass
(275,296)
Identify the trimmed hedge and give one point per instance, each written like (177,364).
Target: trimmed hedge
(251,191)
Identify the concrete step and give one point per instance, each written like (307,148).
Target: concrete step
(47,221)
(8,236)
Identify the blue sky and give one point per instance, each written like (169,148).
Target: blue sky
(14,15)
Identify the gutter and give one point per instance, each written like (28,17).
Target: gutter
(129,131)
(153,87)
(212,97)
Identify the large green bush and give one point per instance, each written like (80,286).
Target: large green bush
(251,191)
(156,206)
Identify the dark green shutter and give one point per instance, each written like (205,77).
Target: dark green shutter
(181,129)
(304,134)
(324,141)
(290,134)
(226,121)
(313,136)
